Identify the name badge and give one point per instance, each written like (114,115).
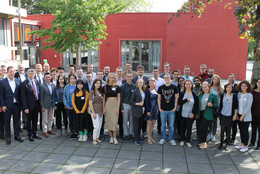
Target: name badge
(245,99)
(113,89)
(82,98)
(132,90)
(192,100)
(206,99)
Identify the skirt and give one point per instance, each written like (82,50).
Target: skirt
(226,121)
(111,119)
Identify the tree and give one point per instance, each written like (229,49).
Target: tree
(33,6)
(79,23)
(247,13)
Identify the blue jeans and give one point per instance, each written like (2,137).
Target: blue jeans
(170,116)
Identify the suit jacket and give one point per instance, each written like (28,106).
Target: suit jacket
(137,111)
(144,78)
(17,75)
(208,113)
(47,100)
(7,95)
(37,79)
(27,95)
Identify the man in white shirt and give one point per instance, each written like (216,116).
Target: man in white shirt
(158,80)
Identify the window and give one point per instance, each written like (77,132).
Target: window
(2,32)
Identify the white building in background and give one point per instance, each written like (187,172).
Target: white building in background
(7,12)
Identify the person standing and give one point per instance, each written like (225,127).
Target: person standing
(30,104)
(111,105)
(255,115)
(80,75)
(203,72)
(106,72)
(186,75)
(188,102)
(89,82)
(176,73)
(46,68)
(128,69)
(228,110)
(167,103)
(166,68)
(54,76)
(100,75)
(96,106)
(3,71)
(80,104)
(207,102)
(90,69)
(40,80)
(211,73)
(10,102)
(197,85)
(47,103)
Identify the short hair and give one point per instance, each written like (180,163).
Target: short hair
(155,68)
(53,69)
(31,70)
(212,69)
(232,74)
(225,87)
(186,67)
(167,74)
(90,65)
(118,68)
(79,69)
(197,77)
(176,70)
(129,73)
(127,62)
(72,66)
(89,73)
(166,63)
(204,65)
(106,66)
(47,73)
(38,65)
(140,67)
(3,66)
(9,67)
(249,87)
(100,71)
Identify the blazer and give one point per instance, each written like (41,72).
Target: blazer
(208,113)
(144,78)
(137,111)
(247,104)
(234,103)
(17,75)
(27,95)
(182,101)
(47,100)
(7,95)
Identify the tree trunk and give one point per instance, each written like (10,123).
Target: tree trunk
(78,58)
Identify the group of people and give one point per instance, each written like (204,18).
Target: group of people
(88,104)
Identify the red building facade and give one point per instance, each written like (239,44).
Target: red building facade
(148,39)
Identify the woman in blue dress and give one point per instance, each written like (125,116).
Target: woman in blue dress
(151,109)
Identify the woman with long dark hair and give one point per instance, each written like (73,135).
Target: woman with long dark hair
(96,106)
(256,115)
(228,110)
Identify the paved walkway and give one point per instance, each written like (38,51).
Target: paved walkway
(61,155)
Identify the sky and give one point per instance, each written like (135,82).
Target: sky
(166,5)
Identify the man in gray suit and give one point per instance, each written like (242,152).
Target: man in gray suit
(47,102)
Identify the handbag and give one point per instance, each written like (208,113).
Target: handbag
(216,111)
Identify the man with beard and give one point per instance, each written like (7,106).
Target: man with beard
(211,73)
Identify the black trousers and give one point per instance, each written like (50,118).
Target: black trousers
(177,122)
(80,122)
(185,128)
(144,124)
(255,127)
(198,127)
(32,120)
(61,110)
(204,124)
(2,124)
(243,128)
(234,130)
(16,112)
(159,123)
(120,123)
(137,123)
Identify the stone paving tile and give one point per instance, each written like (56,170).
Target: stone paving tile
(53,140)
(12,172)
(152,147)
(23,166)
(56,158)
(102,162)
(97,170)
(70,143)
(44,148)
(126,164)
(73,169)
(148,172)
(2,151)
(130,146)
(65,149)
(150,165)
(156,156)
(107,153)
(35,156)
(47,168)
(85,151)
(79,160)
(127,154)
(170,148)
(227,169)
(119,171)
(9,147)
(244,160)
(26,146)
(175,167)
(5,163)
(174,157)
(200,168)
(197,158)
(248,169)
(106,145)
(194,150)
(16,155)
(220,159)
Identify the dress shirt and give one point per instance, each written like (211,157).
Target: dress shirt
(159,82)
(50,88)
(13,86)
(33,82)
(22,77)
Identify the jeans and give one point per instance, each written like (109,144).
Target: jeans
(70,117)
(170,115)
(127,116)
(97,123)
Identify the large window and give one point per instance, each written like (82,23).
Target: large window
(2,32)
(146,53)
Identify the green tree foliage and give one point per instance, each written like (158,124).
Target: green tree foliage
(247,13)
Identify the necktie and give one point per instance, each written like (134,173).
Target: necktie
(40,82)
(34,90)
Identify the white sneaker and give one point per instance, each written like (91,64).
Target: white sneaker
(239,147)
(85,138)
(213,138)
(58,133)
(115,141)
(182,143)
(172,142)
(80,138)
(162,141)
(208,137)
(188,144)
(244,149)
(111,140)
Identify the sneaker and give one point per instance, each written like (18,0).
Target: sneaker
(145,134)
(64,132)
(141,141)
(126,139)
(208,137)
(162,141)
(80,138)
(131,138)
(251,146)
(239,147)
(137,143)
(188,144)
(85,138)
(111,140)
(243,149)
(257,148)
(182,143)
(172,142)
(115,141)
(213,138)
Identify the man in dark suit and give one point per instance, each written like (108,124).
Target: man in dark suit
(39,77)
(89,82)
(140,75)
(10,102)
(47,101)
(30,94)
(2,120)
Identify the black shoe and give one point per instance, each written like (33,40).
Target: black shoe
(25,128)
(8,141)
(232,142)
(18,139)
(131,138)
(73,136)
(141,141)
(220,146)
(251,145)
(257,148)
(126,139)
(37,137)
(31,139)
(3,137)
(21,130)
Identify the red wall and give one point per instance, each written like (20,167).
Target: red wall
(212,39)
